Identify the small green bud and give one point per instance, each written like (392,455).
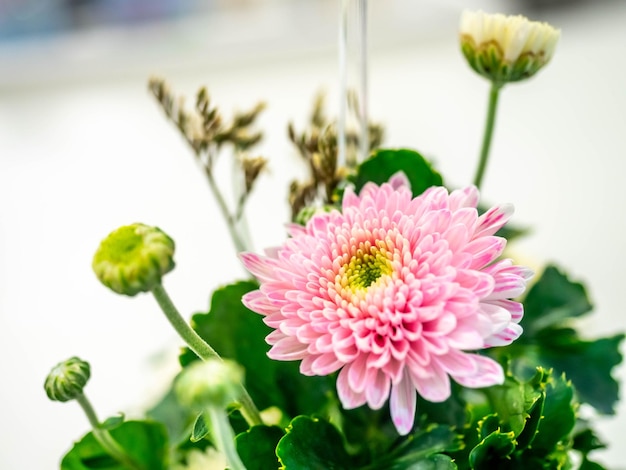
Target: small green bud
(211,383)
(307,213)
(134,258)
(67,379)
(506,48)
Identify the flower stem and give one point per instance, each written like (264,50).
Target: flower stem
(489,125)
(231,221)
(104,438)
(189,336)
(224,437)
(202,349)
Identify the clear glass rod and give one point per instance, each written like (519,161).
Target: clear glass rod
(352,83)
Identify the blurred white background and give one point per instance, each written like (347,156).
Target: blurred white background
(85,149)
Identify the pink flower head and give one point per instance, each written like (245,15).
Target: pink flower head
(392,292)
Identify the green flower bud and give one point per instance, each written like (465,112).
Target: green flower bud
(211,383)
(306,213)
(506,48)
(134,258)
(67,379)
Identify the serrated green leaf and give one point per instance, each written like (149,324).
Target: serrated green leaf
(144,441)
(112,422)
(200,429)
(237,333)
(384,163)
(513,402)
(488,425)
(552,299)
(586,441)
(257,447)
(495,447)
(559,416)
(588,364)
(312,444)
(531,427)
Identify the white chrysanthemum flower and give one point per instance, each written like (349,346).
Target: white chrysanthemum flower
(506,48)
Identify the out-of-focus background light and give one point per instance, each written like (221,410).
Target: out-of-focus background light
(85,149)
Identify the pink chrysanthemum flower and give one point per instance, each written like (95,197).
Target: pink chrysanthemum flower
(392,292)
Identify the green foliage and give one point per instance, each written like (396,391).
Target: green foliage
(527,422)
(312,444)
(553,299)
(588,364)
(452,411)
(548,340)
(112,422)
(144,441)
(423,450)
(200,429)
(176,418)
(383,164)
(531,427)
(257,447)
(239,334)
(558,416)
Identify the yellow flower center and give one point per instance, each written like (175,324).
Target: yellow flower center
(366,266)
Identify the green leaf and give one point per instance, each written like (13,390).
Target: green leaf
(559,416)
(421,446)
(257,447)
(384,163)
(589,465)
(588,364)
(200,429)
(176,418)
(237,333)
(452,411)
(586,441)
(434,462)
(494,448)
(514,400)
(312,444)
(144,441)
(548,340)
(552,299)
(531,427)
(112,422)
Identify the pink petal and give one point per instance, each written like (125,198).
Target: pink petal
(325,364)
(488,372)
(493,220)
(457,363)
(504,337)
(260,266)
(348,397)
(466,197)
(485,250)
(287,349)
(377,390)
(399,180)
(358,374)
(436,387)
(402,405)
(258,302)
